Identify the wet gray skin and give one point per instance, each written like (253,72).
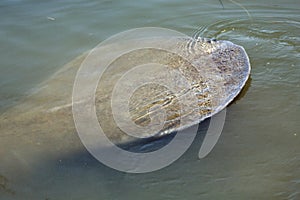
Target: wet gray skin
(215,71)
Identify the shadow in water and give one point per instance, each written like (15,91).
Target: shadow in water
(243,91)
(53,177)
(156,142)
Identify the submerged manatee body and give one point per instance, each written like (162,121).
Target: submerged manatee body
(215,70)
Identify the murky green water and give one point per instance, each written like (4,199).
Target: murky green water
(257,156)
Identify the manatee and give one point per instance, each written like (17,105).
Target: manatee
(214,71)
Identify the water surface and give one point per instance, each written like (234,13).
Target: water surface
(258,154)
